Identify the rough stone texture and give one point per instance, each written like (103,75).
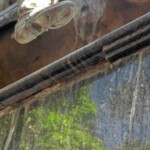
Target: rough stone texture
(94,19)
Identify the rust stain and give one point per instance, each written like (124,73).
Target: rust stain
(95,19)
